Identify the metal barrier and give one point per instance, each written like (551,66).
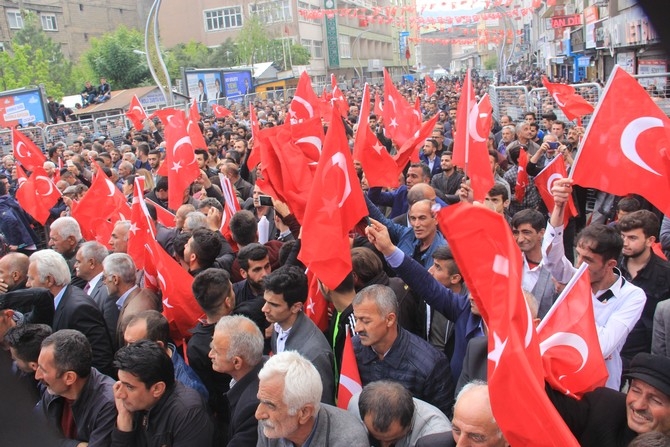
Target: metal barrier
(541,102)
(36,134)
(70,131)
(509,100)
(113,127)
(658,87)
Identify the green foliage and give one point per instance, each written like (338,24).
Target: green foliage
(32,59)
(300,55)
(252,42)
(491,62)
(112,56)
(225,55)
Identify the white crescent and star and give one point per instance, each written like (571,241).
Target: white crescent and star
(473,118)
(552,178)
(314,141)
(630,135)
(48,182)
(340,161)
(18,149)
(111,187)
(555,96)
(569,339)
(305,104)
(498,348)
(351,385)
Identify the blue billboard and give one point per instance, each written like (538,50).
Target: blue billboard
(237,84)
(21,107)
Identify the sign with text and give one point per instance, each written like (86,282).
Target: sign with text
(566,21)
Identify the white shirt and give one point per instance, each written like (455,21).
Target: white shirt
(122,298)
(282,335)
(94,282)
(615,318)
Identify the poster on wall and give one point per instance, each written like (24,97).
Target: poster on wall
(205,87)
(627,61)
(651,66)
(237,84)
(24,108)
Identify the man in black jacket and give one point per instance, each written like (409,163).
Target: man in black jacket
(153,408)
(608,418)
(78,401)
(237,349)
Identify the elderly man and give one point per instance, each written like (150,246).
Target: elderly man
(79,401)
(119,277)
(393,417)
(119,238)
(289,412)
(65,237)
(608,418)
(89,268)
(384,350)
(237,349)
(73,308)
(153,408)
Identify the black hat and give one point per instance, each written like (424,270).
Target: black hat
(651,369)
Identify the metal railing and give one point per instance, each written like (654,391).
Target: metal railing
(36,134)
(542,102)
(509,100)
(658,87)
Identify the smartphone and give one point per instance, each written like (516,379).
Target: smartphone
(265,200)
(553,146)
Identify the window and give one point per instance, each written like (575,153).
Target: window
(223,18)
(317,45)
(49,22)
(270,12)
(307,6)
(14,19)
(344,42)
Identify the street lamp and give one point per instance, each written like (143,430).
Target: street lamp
(166,89)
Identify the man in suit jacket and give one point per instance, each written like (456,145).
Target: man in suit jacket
(119,277)
(73,308)
(88,266)
(285,296)
(237,350)
(302,418)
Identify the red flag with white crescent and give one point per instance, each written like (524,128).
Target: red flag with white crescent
(522,179)
(305,103)
(573,105)
(626,146)
(220,111)
(37,194)
(573,361)
(26,151)
(136,113)
(350,379)
(490,261)
(553,171)
(431,88)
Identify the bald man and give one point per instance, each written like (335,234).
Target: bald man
(13,272)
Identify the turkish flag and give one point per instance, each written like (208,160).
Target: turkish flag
(334,206)
(163,216)
(338,97)
(522,179)
(490,262)
(573,361)
(100,208)
(625,148)
(565,96)
(230,207)
(316,306)
(379,166)
(179,306)
(350,380)
(141,225)
(430,86)
(136,113)
(305,103)
(253,118)
(193,112)
(220,111)
(179,156)
(378,109)
(545,179)
(193,129)
(36,194)
(401,120)
(409,151)
(473,125)
(26,152)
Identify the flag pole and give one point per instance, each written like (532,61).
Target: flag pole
(595,113)
(467,117)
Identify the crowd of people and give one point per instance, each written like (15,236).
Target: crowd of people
(86,343)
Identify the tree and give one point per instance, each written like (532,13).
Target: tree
(33,58)
(112,56)
(251,41)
